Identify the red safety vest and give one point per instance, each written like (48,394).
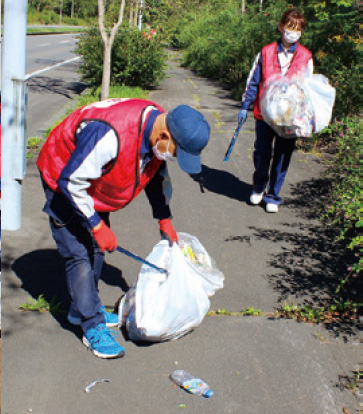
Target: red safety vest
(271,67)
(122,181)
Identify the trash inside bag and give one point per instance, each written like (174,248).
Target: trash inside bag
(160,307)
(298,106)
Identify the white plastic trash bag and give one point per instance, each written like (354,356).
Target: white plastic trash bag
(322,96)
(160,307)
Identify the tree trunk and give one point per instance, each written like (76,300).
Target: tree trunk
(107,42)
(131,13)
(72,9)
(243,8)
(261,1)
(136,12)
(60,11)
(106,72)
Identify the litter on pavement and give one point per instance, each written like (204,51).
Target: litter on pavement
(92,384)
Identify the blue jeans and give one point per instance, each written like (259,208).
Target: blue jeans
(266,172)
(83,258)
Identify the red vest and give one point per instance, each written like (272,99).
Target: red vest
(122,181)
(271,67)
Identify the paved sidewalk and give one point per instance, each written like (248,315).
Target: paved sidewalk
(255,365)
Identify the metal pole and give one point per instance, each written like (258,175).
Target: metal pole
(13,112)
(140,15)
(1,32)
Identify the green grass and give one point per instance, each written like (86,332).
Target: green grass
(338,312)
(40,305)
(45,29)
(249,311)
(94,95)
(33,146)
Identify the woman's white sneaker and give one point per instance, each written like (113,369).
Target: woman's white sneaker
(272,208)
(256,198)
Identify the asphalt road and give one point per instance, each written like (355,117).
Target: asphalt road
(50,91)
(47,50)
(254,365)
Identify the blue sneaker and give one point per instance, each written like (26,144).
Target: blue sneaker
(111,318)
(101,341)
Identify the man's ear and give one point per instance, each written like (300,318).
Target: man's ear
(164,134)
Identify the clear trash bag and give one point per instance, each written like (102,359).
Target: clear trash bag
(160,307)
(298,106)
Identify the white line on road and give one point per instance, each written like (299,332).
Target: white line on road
(65,41)
(45,44)
(31,75)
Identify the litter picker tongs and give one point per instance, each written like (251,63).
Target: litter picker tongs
(140,259)
(233,141)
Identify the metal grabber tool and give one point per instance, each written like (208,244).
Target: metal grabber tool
(140,259)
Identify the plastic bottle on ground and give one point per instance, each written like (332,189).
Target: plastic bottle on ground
(191,384)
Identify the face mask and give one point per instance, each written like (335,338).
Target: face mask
(291,37)
(163,156)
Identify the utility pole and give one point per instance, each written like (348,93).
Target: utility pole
(13,112)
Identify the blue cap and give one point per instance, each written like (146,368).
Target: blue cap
(190,131)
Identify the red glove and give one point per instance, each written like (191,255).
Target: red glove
(167,231)
(104,237)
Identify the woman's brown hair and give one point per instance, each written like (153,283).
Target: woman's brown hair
(292,19)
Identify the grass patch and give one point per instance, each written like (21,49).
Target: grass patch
(33,146)
(94,95)
(45,29)
(340,311)
(249,311)
(40,305)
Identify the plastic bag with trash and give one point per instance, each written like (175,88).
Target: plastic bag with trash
(160,307)
(298,106)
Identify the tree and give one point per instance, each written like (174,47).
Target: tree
(60,11)
(243,6)
(108,40)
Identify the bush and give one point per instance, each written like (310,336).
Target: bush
(136,60)
(343,205)
(333,37)
(222,43)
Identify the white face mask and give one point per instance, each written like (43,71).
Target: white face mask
(291,37)
(163,156)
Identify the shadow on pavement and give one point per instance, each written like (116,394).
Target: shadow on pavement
(43,84)
(222,182)
(311,261)
(42,273)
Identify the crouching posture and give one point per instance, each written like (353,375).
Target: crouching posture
(96,162)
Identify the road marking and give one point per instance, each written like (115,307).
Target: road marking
(31,75)
(45,44)
(65,41)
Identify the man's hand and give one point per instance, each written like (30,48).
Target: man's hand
(242,115)
(104,237)
(167,231)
